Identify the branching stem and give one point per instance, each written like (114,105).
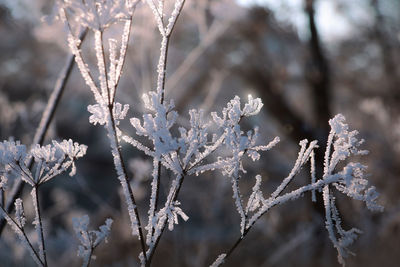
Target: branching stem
(272,202)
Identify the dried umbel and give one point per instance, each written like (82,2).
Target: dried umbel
(48,162)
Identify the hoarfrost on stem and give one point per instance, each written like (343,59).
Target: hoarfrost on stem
(48,162)
(89,239)
(350,180)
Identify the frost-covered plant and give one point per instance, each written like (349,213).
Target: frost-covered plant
(49,162)
(98,15)
(350,180)
(211,142)
(107,111)
(89,239)
(193,151)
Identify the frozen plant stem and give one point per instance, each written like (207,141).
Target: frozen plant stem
(123,177)
(173,197)
(106,105)
(22,235)
(38,225)
(162,67)
(44,124)
(165,32)
(101,59)
(274,201)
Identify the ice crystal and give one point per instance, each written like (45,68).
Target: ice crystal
(99,113)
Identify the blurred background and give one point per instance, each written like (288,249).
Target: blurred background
(307,59)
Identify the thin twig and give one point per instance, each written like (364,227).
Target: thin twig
(22,233)
(272,202)
(101,63)
(38,225)
(174,198)
(122,55)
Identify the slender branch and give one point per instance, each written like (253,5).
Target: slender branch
(154,197)
(272,202)
(162,68)
(122,54)
(123,177)
(173,198)
(1,197)
(90,257)
(113,132)
(101,64)
(38,225)
(20,231)
(74,45)
(44,124)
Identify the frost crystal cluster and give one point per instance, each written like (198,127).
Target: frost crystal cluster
(89,239)
(50,160)
(35,167)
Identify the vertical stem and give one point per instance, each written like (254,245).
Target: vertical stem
(162,67)
(101,64)
(89,258)
(38,225)
(158,185)
(122,55)
(1,197)
(113,135)
(154,197)
(173,195)
(122,176)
